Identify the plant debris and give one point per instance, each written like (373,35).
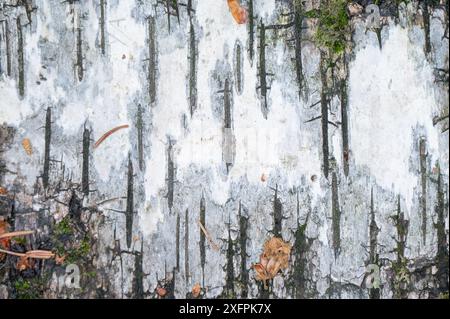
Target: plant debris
(16,234)
(26,144)
(4,242)
(196,290)
(239,13)
(3,191)
(24,263)
(274,258)
(107,134)
(213,245)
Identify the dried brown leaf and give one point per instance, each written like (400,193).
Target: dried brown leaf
(26,144)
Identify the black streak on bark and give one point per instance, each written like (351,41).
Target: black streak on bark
(442,258)
(374,293)
(47,141)
(102,26)
(277,215)
(79,63)
(229,281)
(170,175)
(138,280)
(243,227)
(344,119)
(20,59)
(324,115)
(186,245)
(192,70)
(263,86)
(202,236)
(251,30)
(400,265)
(140,136)
(423,182)
(238,68)
(130,203)
(426,26)
(8,49)
(177,248)
(85,165)
(298,27)
(301,247)
(152,59)
(336,215)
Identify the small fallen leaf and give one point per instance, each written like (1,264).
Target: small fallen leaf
(274,258)
(26,144)
(196,290)
(239,13)
(5,243)
(24,263)
(60,259)
(3,191)
(161,291)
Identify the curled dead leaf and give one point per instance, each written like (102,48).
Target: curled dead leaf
(274,259)
(26,144)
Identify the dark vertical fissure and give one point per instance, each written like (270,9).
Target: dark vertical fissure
(344,120)
(152,59)
(277,214)
(324,114)
(423,182)
(251,30)
(202,237)
(374,292)
(102,26)
(47,141)
(186,245)
(20,59)
(442,257)
(170,175)
(140,136)
(85,164)
(130,203)
(336,215)
(192,69)
(243,228)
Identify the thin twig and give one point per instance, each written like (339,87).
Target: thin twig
(107,134)
(213,245)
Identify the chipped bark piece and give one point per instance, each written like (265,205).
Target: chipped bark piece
(239,13)
(26,144)
(107,134)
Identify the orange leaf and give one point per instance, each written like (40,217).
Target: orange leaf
(24,263)
(239,13)
(26,144)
